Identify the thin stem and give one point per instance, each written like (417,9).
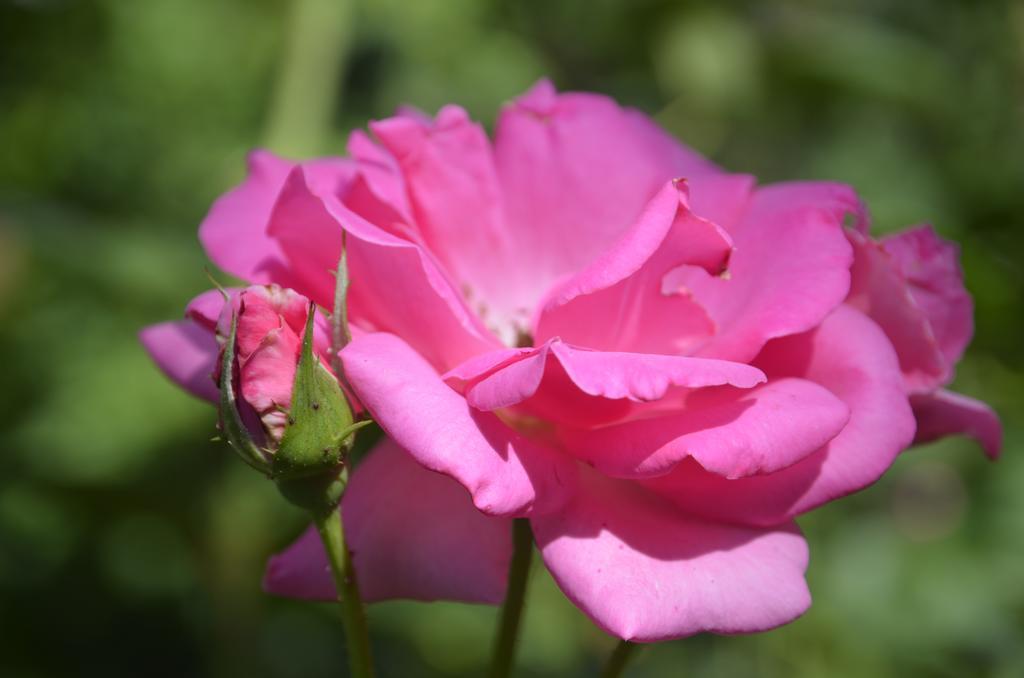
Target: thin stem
(623,652)
(356,635)
(512,608)
(307,93)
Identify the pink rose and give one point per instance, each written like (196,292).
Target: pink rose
(586,324)
(393,560)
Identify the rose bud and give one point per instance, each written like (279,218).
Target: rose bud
(306,420)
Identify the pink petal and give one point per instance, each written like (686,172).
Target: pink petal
(266,309)
(644,378)
(185,352)
(576,170)
(617,303)
(721,198)
(234,233)
(506,473)
(931,267)
(838,200)
(456,202)
(380,193)
(728,431)
(880,291)
(268,353)
(511,377)
(851,357)
(477,367)
(644,571)
(412,533)
(790,268)
(205,309)
(396,286)
(911,284)
(945,413)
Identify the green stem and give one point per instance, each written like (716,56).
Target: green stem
(515,596)
(357,636)
(316,44)
(620,657)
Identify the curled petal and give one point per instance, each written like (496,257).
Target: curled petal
(576,170)
(789,270)
(507,473)
(851,357)
(838,200)
(730,432)
(509,377)
(617,303)
(945,413)
(721,198)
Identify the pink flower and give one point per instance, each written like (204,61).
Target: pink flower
(586,324)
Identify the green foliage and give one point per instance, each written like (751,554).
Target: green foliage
(122,121)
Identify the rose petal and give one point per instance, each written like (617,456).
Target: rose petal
(206,308)
(234,233)
(380,194)
(931,267)
(186,353)
(617,303)
(397,287)
(851,357)
(721,198)
(576,170)
(838,200)
(945,413)
(268,355)
(403,524)
(728,431)
(644,571)
(456,202)
(790,268)
(510,377)
(506,473)
(879,290)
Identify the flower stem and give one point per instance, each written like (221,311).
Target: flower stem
(620,657)
(357,637)
(317,42)
(515,596)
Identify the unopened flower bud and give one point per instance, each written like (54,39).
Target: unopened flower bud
(273,352)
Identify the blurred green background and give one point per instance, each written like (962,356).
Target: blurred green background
(132,545)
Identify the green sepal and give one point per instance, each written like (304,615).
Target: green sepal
(234,429)
(320,424)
